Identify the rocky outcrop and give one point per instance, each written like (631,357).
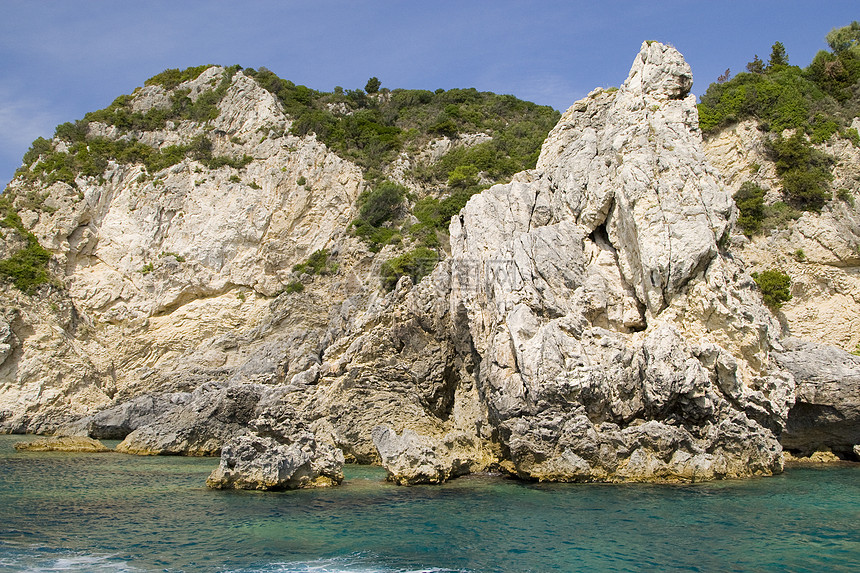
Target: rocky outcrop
(62,444)
(173,277)
(412,459)
(280,453)
(199,424)
(826,414)
(254,462)
(618,339)
(592,322)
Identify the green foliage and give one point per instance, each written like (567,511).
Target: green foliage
(844,39)
(750,202)
(846,196)
(179,258)
(204,108)
(775,287)
(301,181)
(171,77)
(27,268)
(39,147)
(381,204)
(89,155)
(778,216)
(463,176)
(317,264)
(415,264)
(819,99)
(293,287)
(372,85)
(375,130)
(778,56)
(805,171)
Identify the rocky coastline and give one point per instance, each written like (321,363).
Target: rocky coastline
(593,319)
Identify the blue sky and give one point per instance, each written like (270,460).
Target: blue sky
(61,59)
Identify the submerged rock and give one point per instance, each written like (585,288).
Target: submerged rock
(62,444)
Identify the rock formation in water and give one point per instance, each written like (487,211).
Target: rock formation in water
(592,321)
(63,444)
(618,338)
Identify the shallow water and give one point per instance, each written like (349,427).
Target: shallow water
(112,512)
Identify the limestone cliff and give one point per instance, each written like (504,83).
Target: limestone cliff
(819,251)
(590,319)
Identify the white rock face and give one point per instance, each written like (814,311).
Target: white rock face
(616,342)
(819,251)
(591,323)
(176,263)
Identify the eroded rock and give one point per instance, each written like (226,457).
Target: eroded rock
(62,444)
(826,414)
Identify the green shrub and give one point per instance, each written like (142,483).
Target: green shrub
(27,268)
(805,171)
(372,85)
(381,204)
(778,216)
(819,99)
(171,77)
(293,287)
(750,202)
(775,287)
(179,258)
(415,264)
(317,264)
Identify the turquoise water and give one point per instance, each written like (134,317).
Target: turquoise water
(111,512)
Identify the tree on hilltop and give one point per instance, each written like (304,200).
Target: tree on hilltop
(372,85)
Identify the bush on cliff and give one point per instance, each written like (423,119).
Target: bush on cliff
(775,287)
(416,264)
(750,202)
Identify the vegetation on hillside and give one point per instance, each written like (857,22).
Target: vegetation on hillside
(817,102)
(370,127)
(26,268)
(373,126)
(775,287)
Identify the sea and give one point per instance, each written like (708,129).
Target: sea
(119,513)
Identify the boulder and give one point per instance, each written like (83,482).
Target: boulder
(264,463)
(411,458)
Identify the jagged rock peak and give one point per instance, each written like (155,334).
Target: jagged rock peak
(660,70)
(617,342)
(631,161)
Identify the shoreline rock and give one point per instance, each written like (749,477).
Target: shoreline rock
(63,444)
